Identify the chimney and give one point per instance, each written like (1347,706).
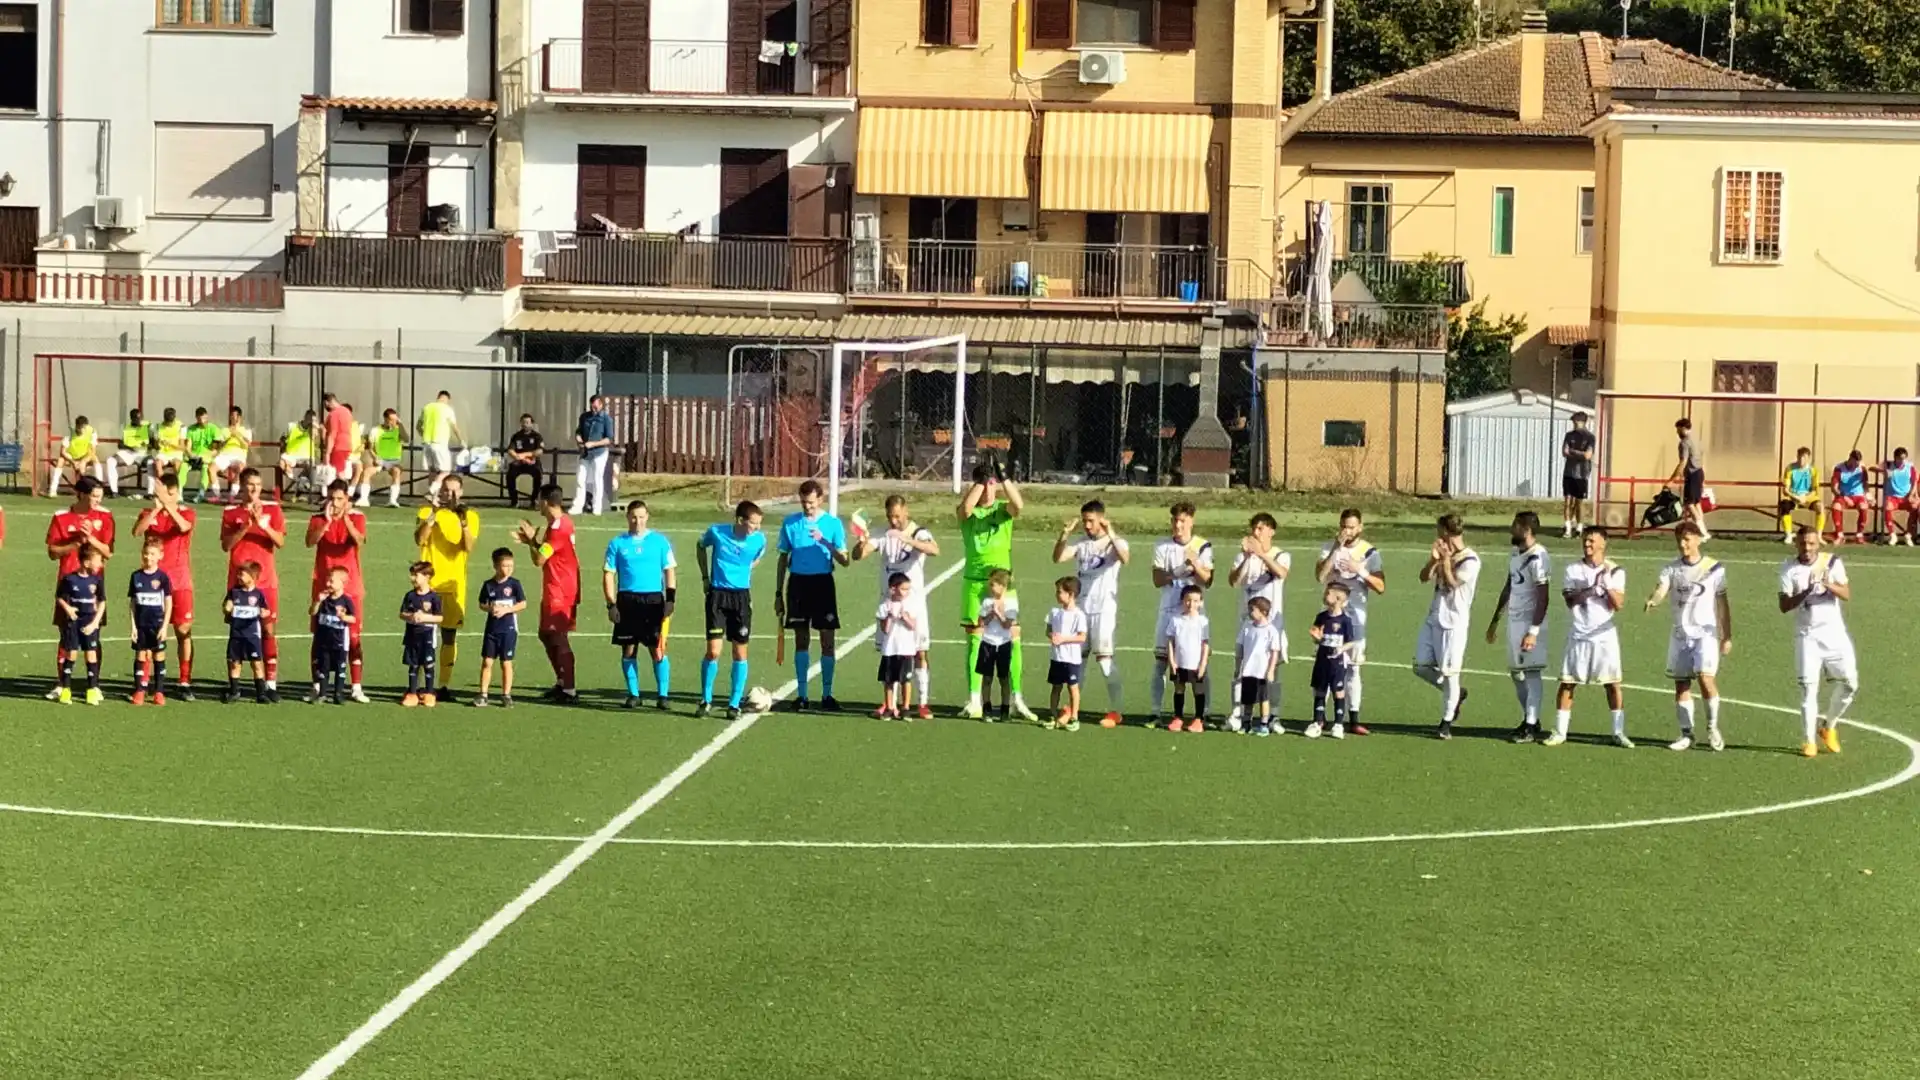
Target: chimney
(1533,66)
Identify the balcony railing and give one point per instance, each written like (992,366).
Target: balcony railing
(431,262)
(656,66)
(673,261)
(1348,325)
(1388,278)
(141,289)
(1035,270)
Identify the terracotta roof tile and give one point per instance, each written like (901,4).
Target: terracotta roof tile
(395,104)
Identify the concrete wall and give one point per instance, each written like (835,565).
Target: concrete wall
(372,57)
(458,173)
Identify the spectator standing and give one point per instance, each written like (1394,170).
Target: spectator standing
(439,429)
(1690,472)
(523,459)
(594,435)
(1576,475)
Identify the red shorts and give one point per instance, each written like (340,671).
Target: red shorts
(273,602)
(559,620)
(1850,502)
(1907,502)
(338,462)
(182,608)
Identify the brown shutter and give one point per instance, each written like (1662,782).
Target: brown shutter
(1052,26)
(743,46)
(406,188)
(447,17)
(419,16)
(840,202)
(597,45)
(963,22)
(830,44)
(807,200)
(1173,25)
(631,45)
(19,233)
(612,182)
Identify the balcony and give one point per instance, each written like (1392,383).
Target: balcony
(1392,280)
(141,289)
(1024,274)
(662,73)
(433,262)
(1297,324)
(672,261)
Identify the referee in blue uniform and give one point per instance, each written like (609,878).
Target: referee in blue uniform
(638,579)
(811,542)
(726,555)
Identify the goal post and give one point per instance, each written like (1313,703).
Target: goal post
(838,413)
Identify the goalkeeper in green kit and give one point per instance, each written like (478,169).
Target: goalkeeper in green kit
(203,442)
(986,536)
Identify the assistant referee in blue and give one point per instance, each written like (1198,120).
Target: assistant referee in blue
(639,579)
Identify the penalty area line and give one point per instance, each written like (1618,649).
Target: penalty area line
(343,1052)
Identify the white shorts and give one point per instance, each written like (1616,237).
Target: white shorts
(1829,654)
(1100,627)
(1441,648)
(1591,661)
(386,463)
(295,459)
(1691,657)
(230,459)
(131,457)
(1521,660)
(439,457)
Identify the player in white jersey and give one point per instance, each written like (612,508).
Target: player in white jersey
(1812,585)
(1454,570)
(1260,571)
(1353,562)
(1098,554)
(1524,601)
(1702,631)
(1594,588)
(1180,560)
(903,549)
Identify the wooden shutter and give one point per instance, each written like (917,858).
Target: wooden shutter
(612,182)
(447,17)
(418,17)
(406,188)
(1173,25)
(963,22)
(840,202)
(631,34)
(597,45)
(1052,25)
(807,200)
(754,193)
(744,26)
(830,40)
(19,232)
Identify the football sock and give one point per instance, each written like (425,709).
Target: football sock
(1520,692)
(1179,699)
(973,664)
(1450,694)
(259,687)
(1809,708)
(66,672)
(1014,667)
(1561,719)
(1199,699)
(662,671)
(449,661)
(1536,691)
(738,689)
(1684,709)
(113,480)
(356,662)
(1619,721)
(413,680)
(160,674)
(1353,689)
(566,669)
(1115,684)
(827,664)
(802,671)
(1157,686)
(1713,714)
(923,682)
(93,673)
(53,486)
(1340,713)
(630,670)
(709,672)
(1837,703)
(1319,707)
(140,668)
(186,667)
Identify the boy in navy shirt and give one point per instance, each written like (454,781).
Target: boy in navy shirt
(420,610)
(333,618)
(82,604)
(1333,630)
(150,595)
(502,598)
(246,609)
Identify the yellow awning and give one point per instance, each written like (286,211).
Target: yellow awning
(1125,162)
(950,153)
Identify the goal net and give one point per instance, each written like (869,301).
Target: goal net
(878,425)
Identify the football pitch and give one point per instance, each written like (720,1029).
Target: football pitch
(587,892)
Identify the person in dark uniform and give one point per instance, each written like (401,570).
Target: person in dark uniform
(503,599)
(523,459)
(421,609)
(81,601)
(1333,631)
(246,611)
(333,618)
(150,593)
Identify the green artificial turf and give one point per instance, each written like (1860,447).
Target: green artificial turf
(1323,936)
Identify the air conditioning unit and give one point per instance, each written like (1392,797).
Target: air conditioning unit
(1103,68)
(117,212)
(1016,215)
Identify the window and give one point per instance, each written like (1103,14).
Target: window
(213,170)
(1742,427)
(1583,239)
(1158,24)
(950,22)
(1343,433)
(440,17)
(1751,201)
(612,186)
(1113,22)
(19,58)
(215,14)
(1503,221)
(1369,212)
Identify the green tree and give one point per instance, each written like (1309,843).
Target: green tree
(1376,38)
(1846,45)
(1480,352)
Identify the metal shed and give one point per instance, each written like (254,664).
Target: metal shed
(1507,445)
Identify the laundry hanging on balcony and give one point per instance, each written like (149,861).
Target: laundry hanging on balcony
(773,52)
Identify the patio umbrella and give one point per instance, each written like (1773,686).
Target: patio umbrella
(1320,281)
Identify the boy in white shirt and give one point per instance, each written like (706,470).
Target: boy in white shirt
(1181,561)
(1702,631)
(1259,651)
(899,630)
(1524,600)
(1812,586)
(1454,570)
(1067,633)
(1098,555)
(1260,572)
(904,549)
(1353,562)
(1594,588)
(1189,650)
(999,624)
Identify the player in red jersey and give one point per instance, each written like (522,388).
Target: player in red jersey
(251,531)
(336,535)
(72,532)
(552,546)
(172,524)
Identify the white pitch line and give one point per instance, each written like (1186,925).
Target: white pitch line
(330,1062)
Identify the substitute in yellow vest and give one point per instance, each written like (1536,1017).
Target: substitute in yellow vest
(388,449)
(169,445)
(79,455)
(296,453)
(136,449)
(438,431)
(235,445)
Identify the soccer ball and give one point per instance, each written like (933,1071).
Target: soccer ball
(758,700)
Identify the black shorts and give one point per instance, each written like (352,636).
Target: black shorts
(244,649)
(1253,691)
(1186,677)
(420,649)
(812,603)
(150,639)
(896,670)
(730,615)
(1574,487)
(1330,676)
(994,660)
(328,660)
(639,619)
(499,644)
(72,640)
(1693,485)
(1061,673)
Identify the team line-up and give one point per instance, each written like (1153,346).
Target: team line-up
(640,584)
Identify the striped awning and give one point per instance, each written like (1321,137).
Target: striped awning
(1561,337)
(948,153)
(1125,162)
